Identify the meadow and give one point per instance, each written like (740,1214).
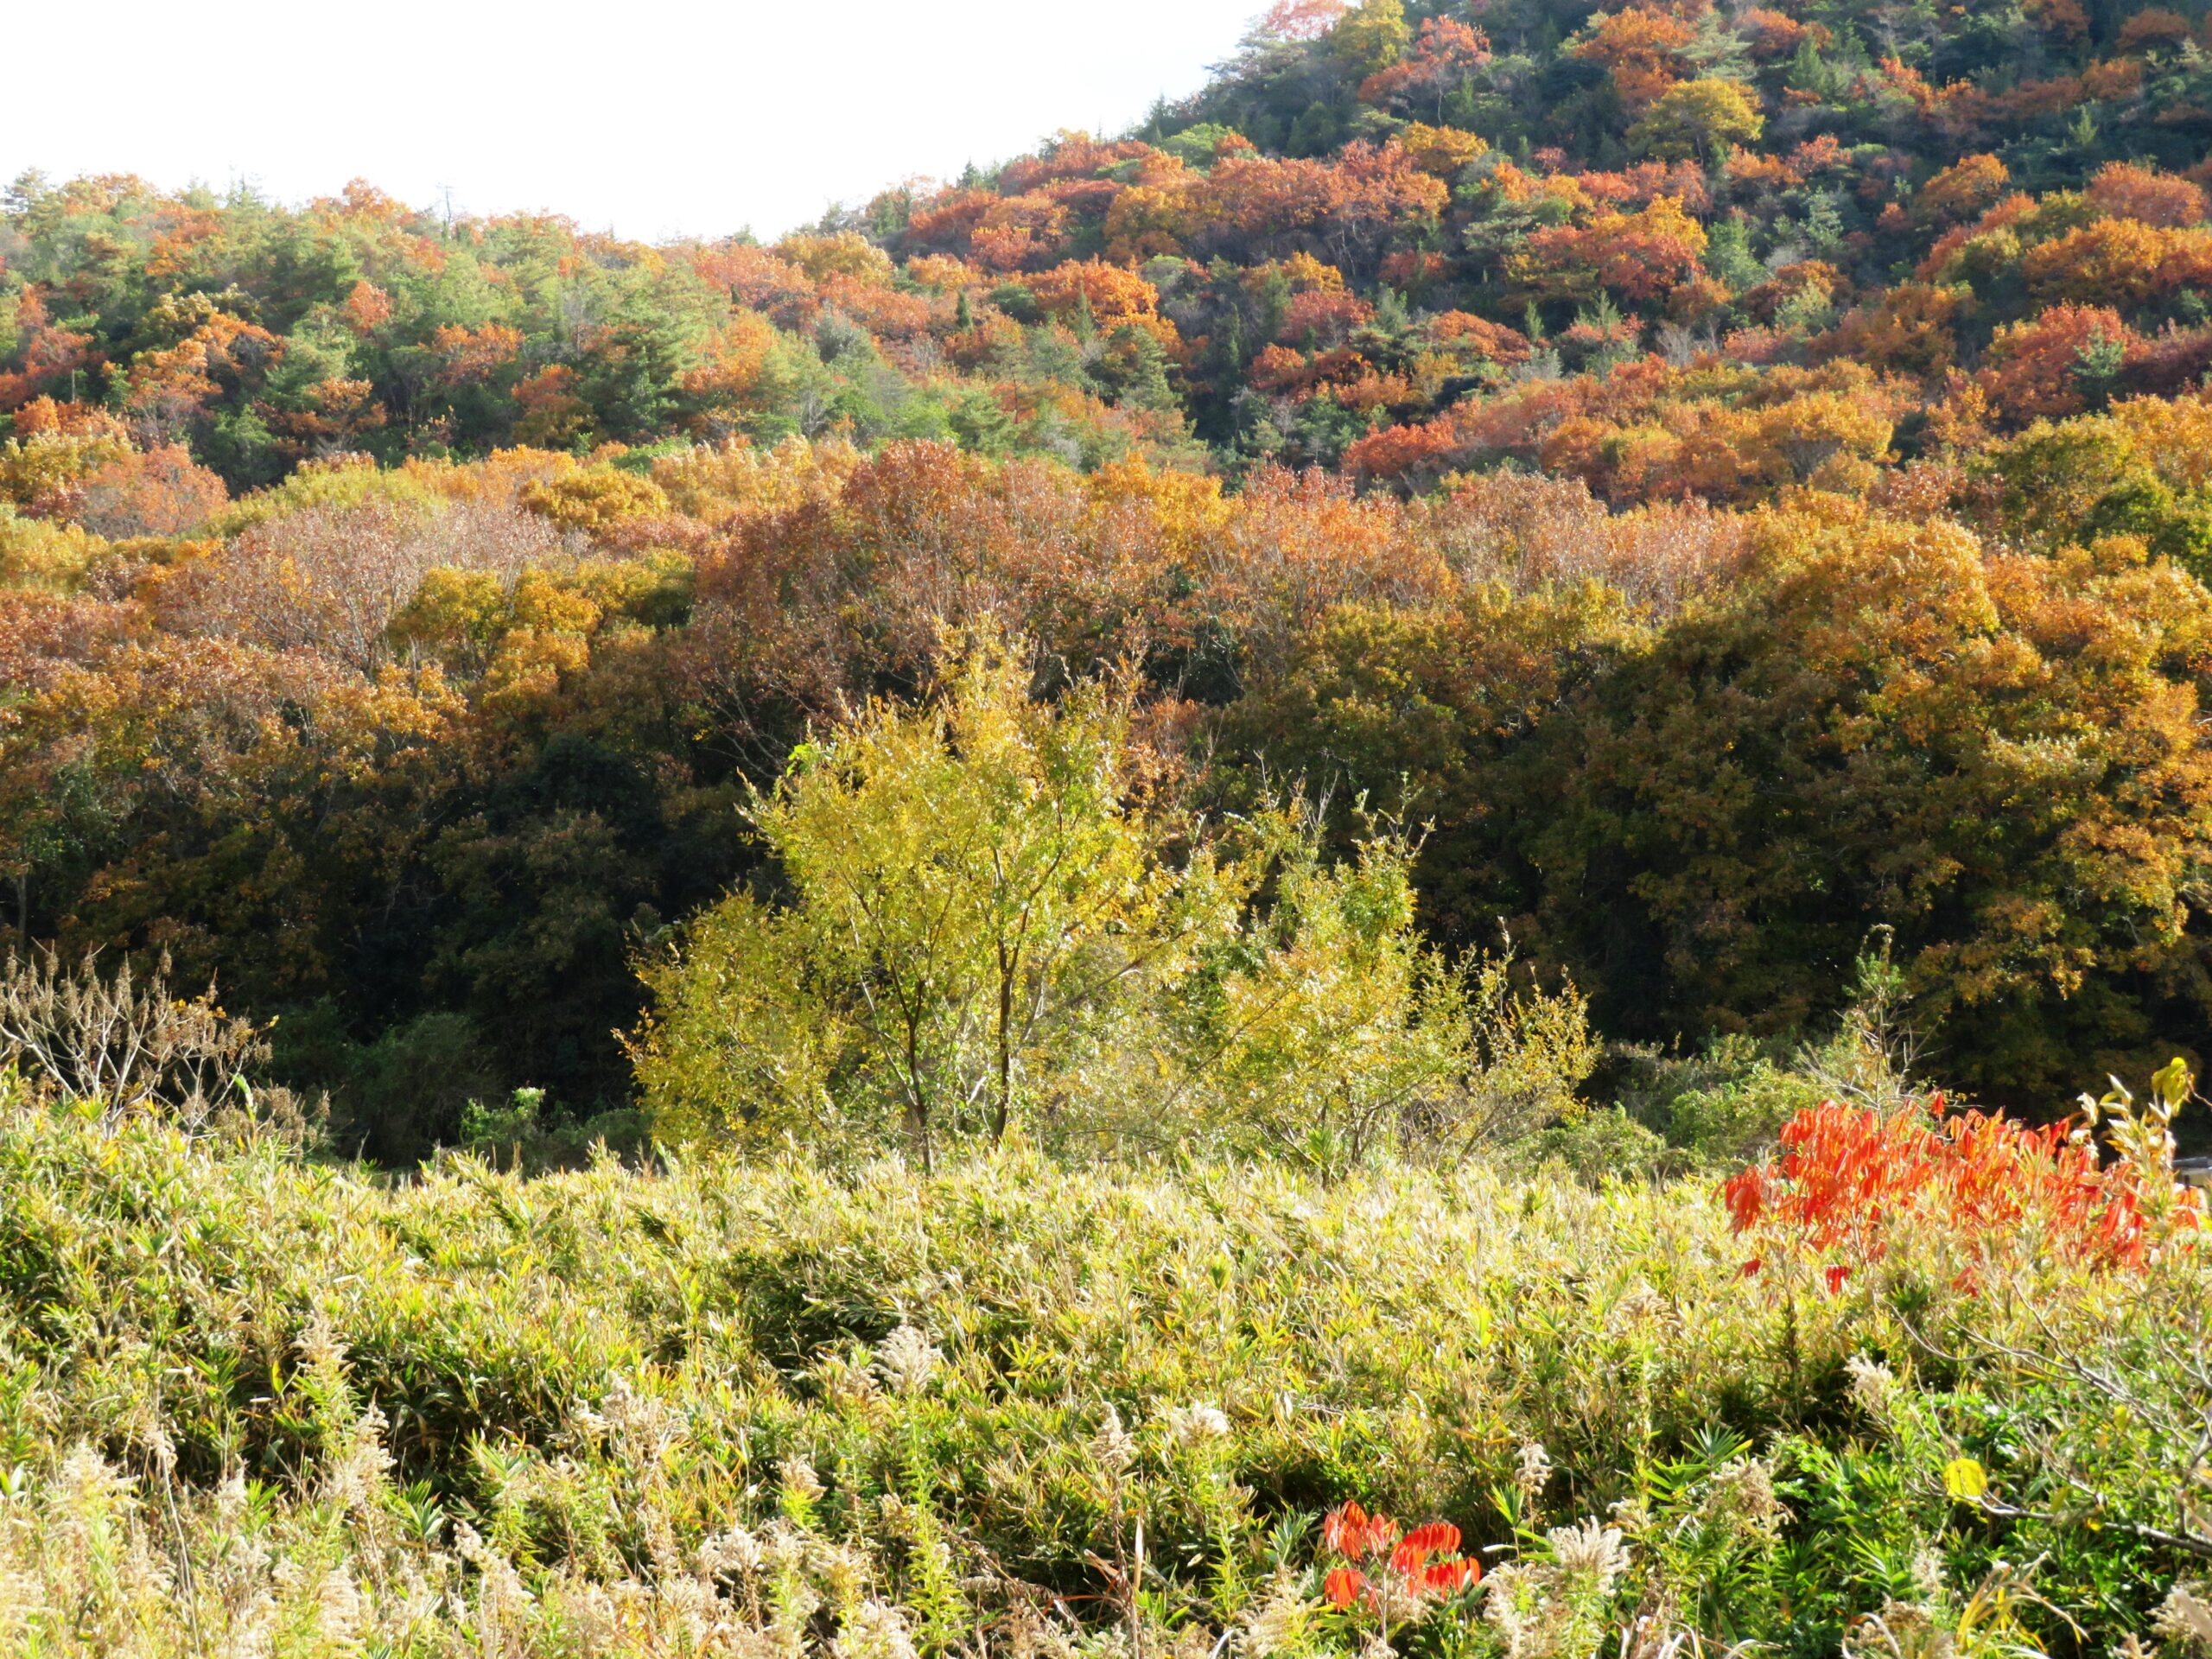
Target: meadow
(1198,899)
(259,1403)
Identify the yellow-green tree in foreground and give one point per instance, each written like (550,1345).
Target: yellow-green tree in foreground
(986,920)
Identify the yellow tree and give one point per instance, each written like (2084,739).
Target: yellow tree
(971,884)
(1371,36)
(984,920)
(1699,118)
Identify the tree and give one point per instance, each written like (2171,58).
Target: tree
(1885,724)
(1371,36)
(1646,51)
(1699,118)
(991,921)
(973,886)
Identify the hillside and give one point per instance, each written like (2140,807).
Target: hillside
(1735,246)
(1322,881)
(1739,477)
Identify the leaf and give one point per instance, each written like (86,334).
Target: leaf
(1965,1479)
(2171,1082)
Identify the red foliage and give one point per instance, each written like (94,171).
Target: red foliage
(2032,369)
(1322,317)
(1846,1174)
(1641,185)
(49,354)
(1071,156)
(1423,1565)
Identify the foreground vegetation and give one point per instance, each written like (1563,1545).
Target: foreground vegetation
(254,1403)
(1260,805)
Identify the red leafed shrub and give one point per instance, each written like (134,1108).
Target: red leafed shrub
(1846,1174)
(1400,1569)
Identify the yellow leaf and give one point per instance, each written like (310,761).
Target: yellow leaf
(1963,1478)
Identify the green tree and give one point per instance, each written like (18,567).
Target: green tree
(991,923)
(971,885)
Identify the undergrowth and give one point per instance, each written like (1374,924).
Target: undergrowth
(253,1403)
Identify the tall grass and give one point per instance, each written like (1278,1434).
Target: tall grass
(255,1404)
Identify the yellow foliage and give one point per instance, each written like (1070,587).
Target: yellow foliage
(1441,150)
(846,253)
(39,553)
(593,500)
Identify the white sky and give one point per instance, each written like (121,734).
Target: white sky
(653,118)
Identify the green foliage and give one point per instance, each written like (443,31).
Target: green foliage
(992,922)
(908,1412)
(2135,472)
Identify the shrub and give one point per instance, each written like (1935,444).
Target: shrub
(1847,1177)
(129,1047)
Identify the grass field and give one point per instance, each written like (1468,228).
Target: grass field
(251,1403)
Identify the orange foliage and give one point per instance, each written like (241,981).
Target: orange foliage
(1115,295)
(1909,330)
(552,414)
(1071,156)
(1479,337)
(368,307)
(1962,191)
(2123,190)
(1637,256)
(1773,35)
(2112,79)
(1645,50)
(1322,317)
(1259,203)
(1846,1176)
(163,492)
(1391,1572)
(1646,183)
(2154,29)
(1301,20)
(51,356)
(1445,53)
(2121,261)
(732,361)
(471,355)
(758,279)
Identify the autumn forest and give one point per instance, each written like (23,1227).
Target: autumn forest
(1736,478)
(1471,783)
